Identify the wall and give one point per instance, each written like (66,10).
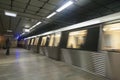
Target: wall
(2,41)
(13,41)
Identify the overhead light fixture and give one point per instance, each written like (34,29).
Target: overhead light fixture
(35,25)
(26,30)
(27,26)
(52,14)
(17,37)
(65,6)
(22,33)
(10,13)
(38,23)
(9,30)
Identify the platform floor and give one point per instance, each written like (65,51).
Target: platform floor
(22,64)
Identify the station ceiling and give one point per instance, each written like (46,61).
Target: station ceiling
(29,12)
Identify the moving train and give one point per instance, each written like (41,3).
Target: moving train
(93,45)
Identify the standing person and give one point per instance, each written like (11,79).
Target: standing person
(8,46)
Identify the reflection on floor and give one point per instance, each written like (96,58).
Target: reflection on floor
(25,65)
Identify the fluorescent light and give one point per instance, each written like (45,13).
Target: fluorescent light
(10,13)
(38,23)
(26,30)
(17,37)
(65,6)
(27,26)
(22,34)
(52,14)
(9,30)
(35,25)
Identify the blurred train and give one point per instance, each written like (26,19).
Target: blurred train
(93,46)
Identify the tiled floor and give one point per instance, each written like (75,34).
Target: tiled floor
(22,64)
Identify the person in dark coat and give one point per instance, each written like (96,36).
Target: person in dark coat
(8,46)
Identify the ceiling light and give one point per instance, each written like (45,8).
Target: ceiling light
(17,37)
(52,14)
(9,30)
(22,33)
(38,23)
(35,25)
(10,13)
(65,6)
(27,26)
(26,30)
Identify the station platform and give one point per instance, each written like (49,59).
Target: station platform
(22,64)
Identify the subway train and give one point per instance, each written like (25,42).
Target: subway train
(93,45)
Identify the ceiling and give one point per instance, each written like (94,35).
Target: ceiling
(32,11)
(29,12)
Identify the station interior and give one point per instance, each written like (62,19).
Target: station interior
(59,39)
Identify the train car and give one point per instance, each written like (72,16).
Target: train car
(25,43)
(35,45)
(32,44)
(20,43)
(53,48)
(93,46)
(43,45)
(28,43)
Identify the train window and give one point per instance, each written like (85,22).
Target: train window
(28,41)
(76,39)
(36,41)
(51,43)
(43,42)
(111,37)
(32,41)
(57,39)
